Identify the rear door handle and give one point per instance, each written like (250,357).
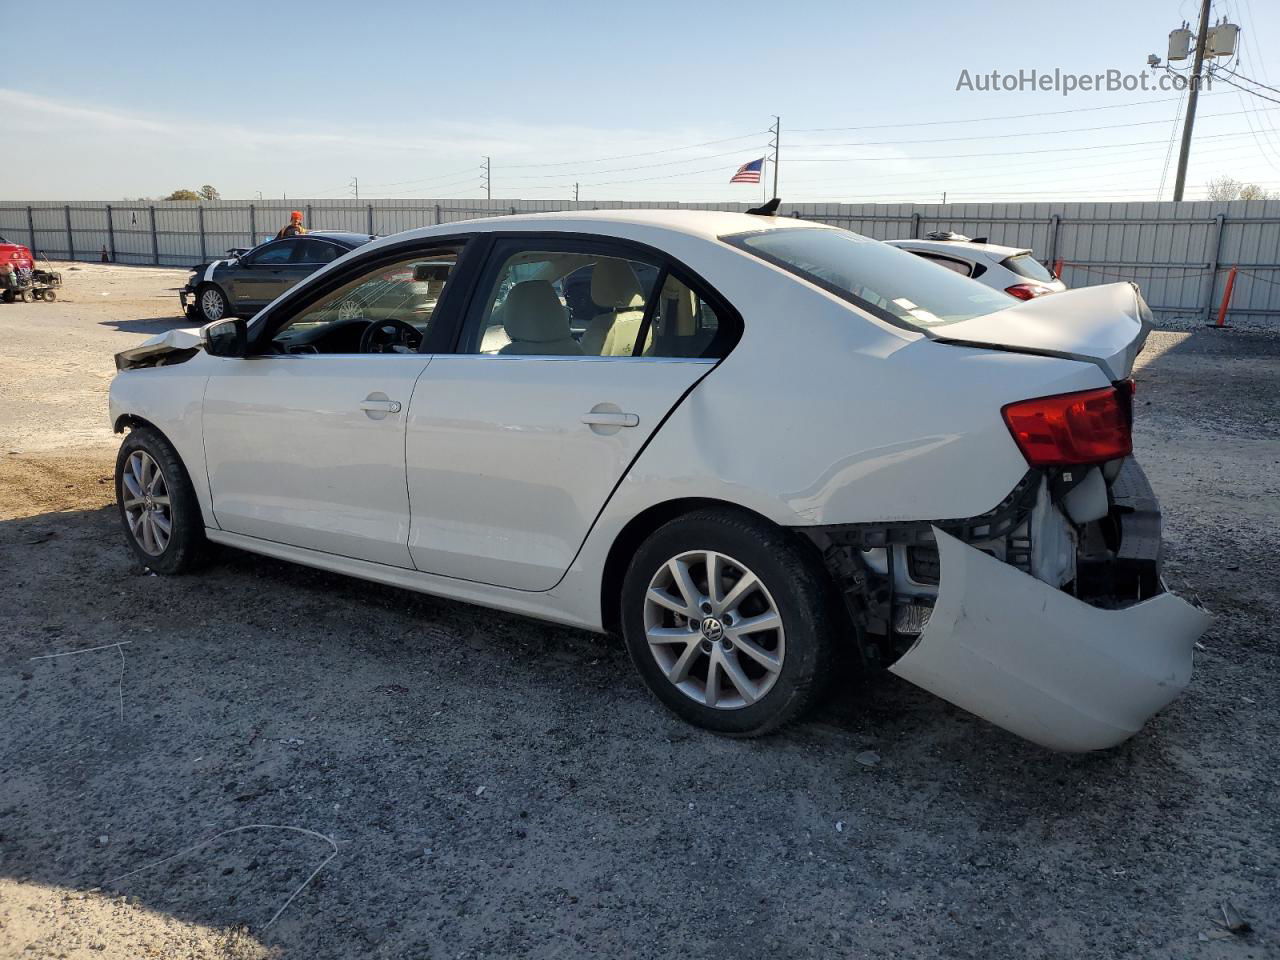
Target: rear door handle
(611,419)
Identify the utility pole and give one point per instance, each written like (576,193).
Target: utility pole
(1185,153)
(485,172)
(776,143)
(355,187)
(944,196)
(575,193)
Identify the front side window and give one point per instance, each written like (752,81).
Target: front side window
(277,254)
(398,299)
(894,284)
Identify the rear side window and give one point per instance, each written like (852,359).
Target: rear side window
(891,283)
(581,299)
(955,266)
(317,251)
(1025,265)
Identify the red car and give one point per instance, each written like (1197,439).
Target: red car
(16,254)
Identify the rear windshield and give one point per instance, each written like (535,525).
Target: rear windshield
(891,283)
(1025,265)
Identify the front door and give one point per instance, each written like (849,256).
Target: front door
(308,450)
(305,441)
(264,274)
(516,442)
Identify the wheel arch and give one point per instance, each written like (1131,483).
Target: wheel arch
(132,421)
(644,523)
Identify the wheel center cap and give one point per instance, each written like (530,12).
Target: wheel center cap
(712,629)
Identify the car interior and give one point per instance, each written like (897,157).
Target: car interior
(540,304)
(574,304)
(389,311)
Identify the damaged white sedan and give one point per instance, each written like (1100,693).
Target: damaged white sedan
(743,442)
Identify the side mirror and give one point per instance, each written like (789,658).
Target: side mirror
(226,338)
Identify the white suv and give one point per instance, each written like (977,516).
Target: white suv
(1011,269)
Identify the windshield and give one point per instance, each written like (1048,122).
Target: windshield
(891,283)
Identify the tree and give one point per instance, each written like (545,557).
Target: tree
(210,192)
(1229,188)
(183,195)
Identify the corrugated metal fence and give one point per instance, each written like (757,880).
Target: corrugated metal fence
(1180,253)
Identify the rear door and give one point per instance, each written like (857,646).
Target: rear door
(309,255)
(516,441)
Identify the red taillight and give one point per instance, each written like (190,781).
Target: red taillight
(1027,291)
(1087,427)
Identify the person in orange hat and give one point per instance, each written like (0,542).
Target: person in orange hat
(293,228)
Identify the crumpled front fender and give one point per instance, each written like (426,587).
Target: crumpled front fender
(1042,664)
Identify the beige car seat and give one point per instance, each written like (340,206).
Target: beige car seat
(676,315)
(614,289)
(537,322)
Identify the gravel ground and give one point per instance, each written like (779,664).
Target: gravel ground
(499,787)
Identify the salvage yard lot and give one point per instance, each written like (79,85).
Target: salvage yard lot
(500,787)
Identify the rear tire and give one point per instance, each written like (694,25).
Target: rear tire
(692,651)
(157,503)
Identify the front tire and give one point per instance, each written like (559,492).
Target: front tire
(213,304)
(729,622)
(158,506)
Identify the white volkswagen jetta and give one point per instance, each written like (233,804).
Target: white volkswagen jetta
(746,443)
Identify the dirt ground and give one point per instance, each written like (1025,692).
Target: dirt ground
(497,787)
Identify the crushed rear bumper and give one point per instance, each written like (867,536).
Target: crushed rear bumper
(1042,664)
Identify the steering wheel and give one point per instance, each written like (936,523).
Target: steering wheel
(390,336)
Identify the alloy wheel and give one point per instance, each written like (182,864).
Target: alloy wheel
(714,629)
(212,304)
(146,503)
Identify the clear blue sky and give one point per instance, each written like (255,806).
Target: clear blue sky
(137,99)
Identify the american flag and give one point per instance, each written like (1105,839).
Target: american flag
(748,172)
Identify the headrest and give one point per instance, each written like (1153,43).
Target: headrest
(533,313)
(614,284)
(427,272)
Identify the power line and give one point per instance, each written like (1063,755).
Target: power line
(628,156)
(1020,133)
(442,176)
(1255,93)
(1241,76)
(642,166)
(998,153)
(1168,154)
(1006,116)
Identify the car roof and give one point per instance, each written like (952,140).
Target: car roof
(341,236)
(984,251)
(707,224)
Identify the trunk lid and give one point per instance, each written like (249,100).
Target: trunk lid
(1106,325)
